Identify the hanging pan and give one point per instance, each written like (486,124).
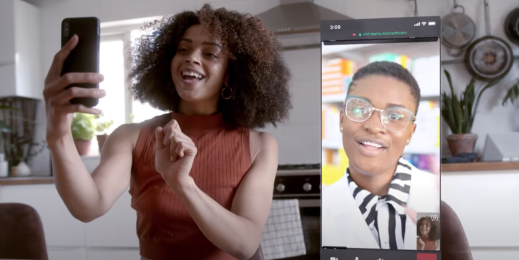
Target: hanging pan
(512,26)
(458,30)
(488,57)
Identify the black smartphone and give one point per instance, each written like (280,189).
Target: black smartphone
(380,85)
(85,56)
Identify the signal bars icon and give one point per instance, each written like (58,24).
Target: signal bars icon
(417,24)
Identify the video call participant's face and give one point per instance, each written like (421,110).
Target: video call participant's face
(382,92)
(425,227)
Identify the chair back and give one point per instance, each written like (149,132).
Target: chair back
(454,243)
(21,233)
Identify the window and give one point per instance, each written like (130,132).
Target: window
(111,65)
(140,111)
(118,104)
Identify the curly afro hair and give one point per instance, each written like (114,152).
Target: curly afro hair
(434,234)
(258,75)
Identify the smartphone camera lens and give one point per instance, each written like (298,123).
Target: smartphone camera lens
(66,29)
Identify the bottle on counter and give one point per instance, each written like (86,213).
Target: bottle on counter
(4,166)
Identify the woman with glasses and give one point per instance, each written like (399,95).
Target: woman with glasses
(374,204)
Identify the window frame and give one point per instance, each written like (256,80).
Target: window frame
(125,38)
(122,30)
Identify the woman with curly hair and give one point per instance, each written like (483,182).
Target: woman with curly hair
(428,233)
(201,179)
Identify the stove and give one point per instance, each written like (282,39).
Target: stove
(303,182)
(298,181)
(284,167)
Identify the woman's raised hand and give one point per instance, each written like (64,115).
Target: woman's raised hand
(59,110)
(174,153)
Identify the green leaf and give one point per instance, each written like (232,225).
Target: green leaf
(512,94)
(83,126)
(447,112)
(458,113)
(468,99)
(4,128)
(448,75)
(4,107)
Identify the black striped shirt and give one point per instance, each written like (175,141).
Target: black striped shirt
(385,216)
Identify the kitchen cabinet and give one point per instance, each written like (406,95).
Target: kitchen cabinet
(19,50)
(118,228)
(110,237)
(60,227)
(487,204)
(66,253)
(112,254)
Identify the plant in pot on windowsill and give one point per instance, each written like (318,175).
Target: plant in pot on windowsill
(459,113)
(103,123)
(84,128)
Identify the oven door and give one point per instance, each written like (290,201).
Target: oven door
(310,210)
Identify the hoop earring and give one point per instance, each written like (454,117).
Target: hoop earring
(227,93)
(170,86)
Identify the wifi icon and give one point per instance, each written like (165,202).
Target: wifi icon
(423,23)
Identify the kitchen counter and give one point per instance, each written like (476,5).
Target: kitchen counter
(485,198)
(26,180)
(479,166)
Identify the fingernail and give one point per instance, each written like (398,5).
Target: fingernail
(102,92)
(100,77)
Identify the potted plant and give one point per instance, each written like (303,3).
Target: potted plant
(21,152)
(84,128)
(459,113)
(103,123)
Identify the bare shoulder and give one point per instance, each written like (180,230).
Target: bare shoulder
(262,143)
(127,132)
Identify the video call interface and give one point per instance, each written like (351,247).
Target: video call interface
(380,139)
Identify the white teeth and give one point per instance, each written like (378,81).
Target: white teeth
(192,74)
(372,144)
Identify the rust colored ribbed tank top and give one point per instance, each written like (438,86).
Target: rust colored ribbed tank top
(164,226)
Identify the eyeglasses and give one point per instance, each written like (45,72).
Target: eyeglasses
(394,119)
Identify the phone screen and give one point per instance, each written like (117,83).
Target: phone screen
(381,139)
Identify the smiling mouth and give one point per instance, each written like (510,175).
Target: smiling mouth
(372,145)
(192,76)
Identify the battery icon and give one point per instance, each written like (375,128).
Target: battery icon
(432,23)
